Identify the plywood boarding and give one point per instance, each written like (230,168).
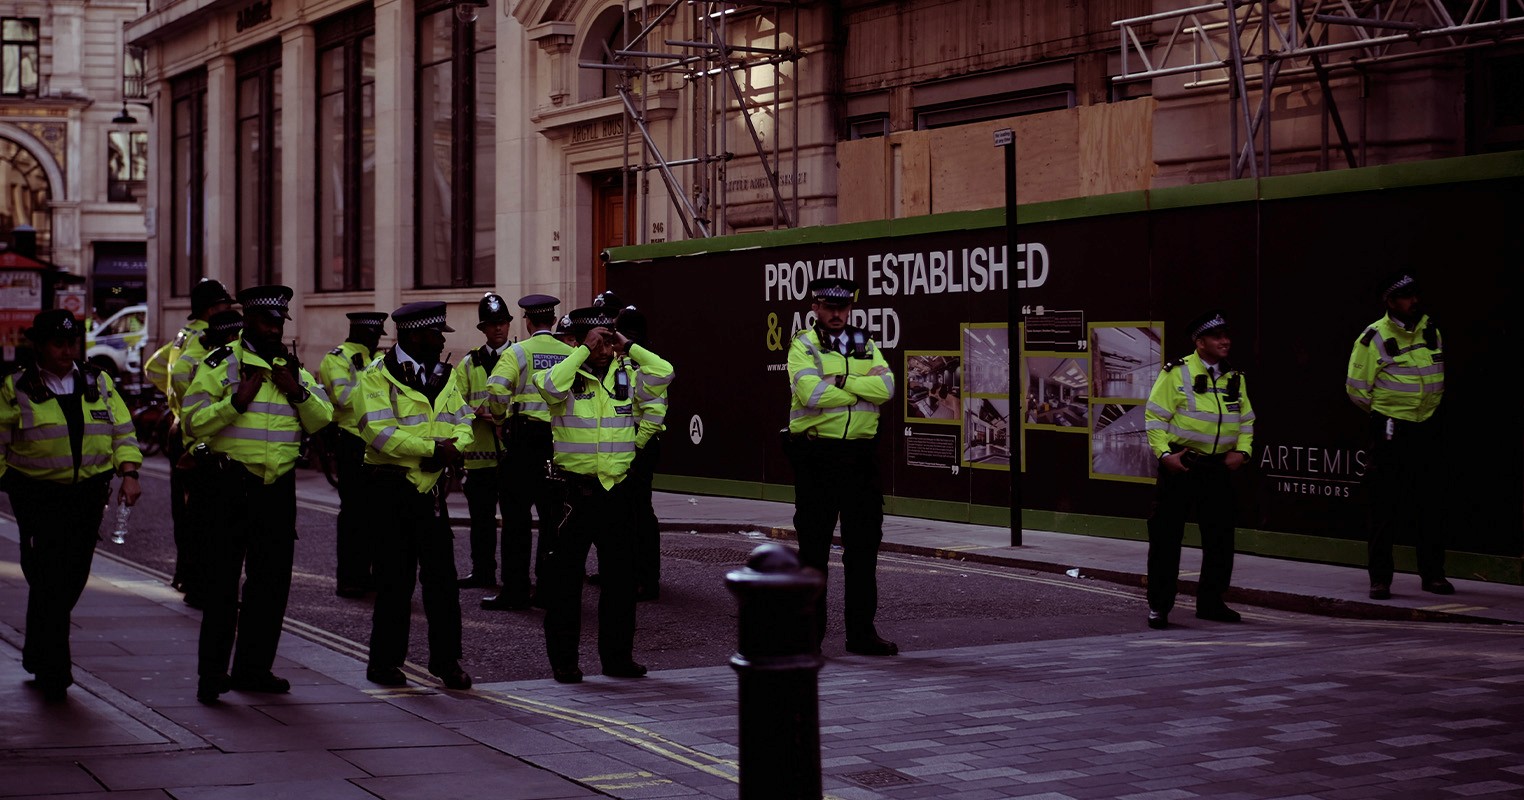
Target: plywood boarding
(966,173)
(1116,147)
(916,163)
(862,190)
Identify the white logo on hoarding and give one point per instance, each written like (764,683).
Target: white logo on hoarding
(696,429)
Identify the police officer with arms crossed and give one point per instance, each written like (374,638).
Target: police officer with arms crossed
(64,432)
(1397,376)
(415,423)
(595,417)
(527,439)
(484,480)
(1201,427)
(195,520)
(340,372)
(249,403)
(838,378)
(208,297)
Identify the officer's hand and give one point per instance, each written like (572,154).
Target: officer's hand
(482,412)
(1175,462)
(130,492)
(879,370)
(446,450)
(285,381)
(618,341)
(1234,460)
(248,388)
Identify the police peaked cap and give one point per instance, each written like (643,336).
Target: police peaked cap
(537,304)
(205,294)
(1207,323)
(1401,284)
(224,322)
(834,291)
(492,308)
(273,299)
(367,319)
(55,323)
(421,315)
(585,319)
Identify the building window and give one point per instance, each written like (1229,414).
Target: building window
(188,183)
(132,73)
(1016,104)
(18,55)
(126,165)
(868,127)
(258,248)
(346,157)
(457,118)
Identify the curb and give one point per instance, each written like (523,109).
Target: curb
(1262,598)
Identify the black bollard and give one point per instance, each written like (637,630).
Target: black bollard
(778,663)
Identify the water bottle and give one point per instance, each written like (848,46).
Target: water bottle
(119,531)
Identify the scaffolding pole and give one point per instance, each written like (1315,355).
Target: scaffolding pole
(717,70)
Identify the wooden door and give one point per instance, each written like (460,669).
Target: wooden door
(611,220)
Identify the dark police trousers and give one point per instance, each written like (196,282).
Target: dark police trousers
(605,518)
(839,478)
(254,538)
(354,548)
(1402,488)
(526,484)
(186,548)
(484,498)
(1206,487)
(60,524)
(412,544)
(647,527)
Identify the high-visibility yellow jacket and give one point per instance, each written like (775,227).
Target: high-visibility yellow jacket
(159,365)
(651,385)
(510,388)
(182,369)
(471,376)
(817,406)
(400,425)
(339,372)
(1217,419)
(34,433)
(593,430)
(1397,372)
(267,437)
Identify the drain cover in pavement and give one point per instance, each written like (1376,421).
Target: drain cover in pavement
(708,555)
(880,777)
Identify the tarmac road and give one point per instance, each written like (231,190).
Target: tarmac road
(925,603)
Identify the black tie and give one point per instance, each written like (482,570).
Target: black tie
(839,343)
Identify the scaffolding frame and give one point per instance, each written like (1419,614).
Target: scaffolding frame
(1244,43)
(708,65)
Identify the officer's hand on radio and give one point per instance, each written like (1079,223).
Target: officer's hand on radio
(248,388)
(1175,462)
(285,381)
(1234,460)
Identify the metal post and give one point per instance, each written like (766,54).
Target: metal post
(777,663)
(1006,139)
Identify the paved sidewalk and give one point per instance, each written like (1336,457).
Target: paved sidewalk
(1259,710)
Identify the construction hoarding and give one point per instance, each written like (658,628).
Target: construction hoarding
(1105,289)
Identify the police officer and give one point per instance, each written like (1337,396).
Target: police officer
(594,415)
(249,404)
(208,297)
(1201,426)
(527,436)
(191,530)
(340,372)
(651,391)
(415,423)
(64,432)
(838,379)
(484,480)
(1397,376)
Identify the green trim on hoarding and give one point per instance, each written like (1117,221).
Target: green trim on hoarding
(1462,169)
(1299,547)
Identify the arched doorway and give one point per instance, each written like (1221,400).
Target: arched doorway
(24,195)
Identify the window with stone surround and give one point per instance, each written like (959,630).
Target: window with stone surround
(18,55)
(126,166)
(346,152)
(455,94)
(258,163)
(187,194)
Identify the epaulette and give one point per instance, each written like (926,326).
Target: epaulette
(337,351)
(218,356)
(1169,365)
(180,338)
(1365,340)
